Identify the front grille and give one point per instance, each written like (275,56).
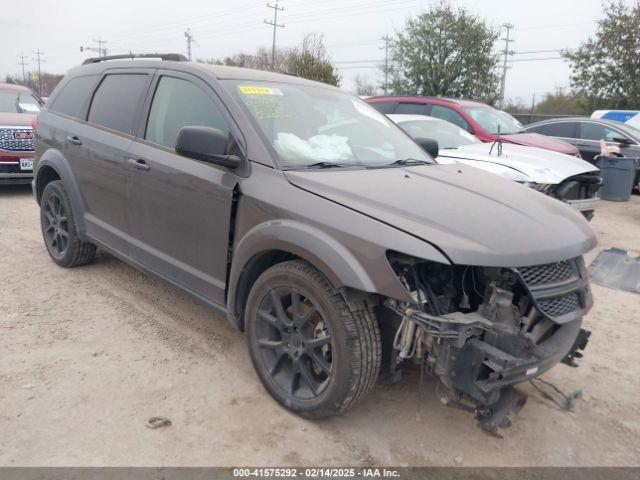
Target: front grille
(545,274)
(555,307)
(557,288)
(9,142)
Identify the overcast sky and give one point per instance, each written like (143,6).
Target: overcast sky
(351,28)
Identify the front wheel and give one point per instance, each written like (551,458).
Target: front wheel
(59,231)
(312,353)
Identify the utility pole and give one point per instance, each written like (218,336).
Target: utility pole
(275,25)
(189,36)
(506,52)
(39,59)
(23,63)
(386,62)
(102,51)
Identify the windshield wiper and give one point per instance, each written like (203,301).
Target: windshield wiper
(324,164)
(409,161)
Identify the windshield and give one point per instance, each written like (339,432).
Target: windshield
(18,102)
(446,134)
(312,126)
(491,119)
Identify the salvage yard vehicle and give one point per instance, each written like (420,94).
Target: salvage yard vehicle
(18,109)
(477,118)
(317,226)
(560,176)
(586,134)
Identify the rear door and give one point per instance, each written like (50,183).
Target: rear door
(179,207)
(590,135)
(101,146)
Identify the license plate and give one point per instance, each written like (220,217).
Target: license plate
(26,164)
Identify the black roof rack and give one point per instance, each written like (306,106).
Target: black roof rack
(173,57)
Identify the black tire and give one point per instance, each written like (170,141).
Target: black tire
(59,228)
(352,353)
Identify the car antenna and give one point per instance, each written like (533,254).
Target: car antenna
(498,141)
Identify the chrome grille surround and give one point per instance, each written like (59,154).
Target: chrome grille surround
(9,142)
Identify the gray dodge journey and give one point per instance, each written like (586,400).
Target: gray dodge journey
(317,227)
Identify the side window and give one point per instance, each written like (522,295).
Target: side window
(384,107)
(179,103)
(560,129)
(116,102)
(73,95)
(412,108)
(450,115)
(595,131)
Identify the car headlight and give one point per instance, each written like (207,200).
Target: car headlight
(540,187)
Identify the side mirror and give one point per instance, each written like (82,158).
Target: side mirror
(623,141)
(429,145)
(206,144)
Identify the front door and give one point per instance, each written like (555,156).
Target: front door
(179,207)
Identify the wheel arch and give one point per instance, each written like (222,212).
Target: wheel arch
(53,166)
(279,241)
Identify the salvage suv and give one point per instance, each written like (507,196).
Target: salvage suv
(317,226)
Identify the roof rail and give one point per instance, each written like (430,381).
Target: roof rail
(174,57)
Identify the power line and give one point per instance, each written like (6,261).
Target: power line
(189,36)
(506,52)
(275,25)
(23,63)
(102,51)
(39,59)
(537,59)
(386,62)
(543,27)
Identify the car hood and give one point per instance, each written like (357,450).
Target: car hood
(538,165)
(11,119)
(474,217)
(540,141)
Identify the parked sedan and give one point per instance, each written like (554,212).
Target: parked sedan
(477,118)
(586,133)
(18,110)
(560,176)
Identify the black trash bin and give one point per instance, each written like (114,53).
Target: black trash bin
(618,174)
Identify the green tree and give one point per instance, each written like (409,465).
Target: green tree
(561,102)
(445,51)
(606,68)
(310,60)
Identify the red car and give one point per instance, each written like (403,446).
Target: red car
(19,108)
(476,118)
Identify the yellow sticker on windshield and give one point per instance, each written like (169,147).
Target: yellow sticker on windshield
(251,90)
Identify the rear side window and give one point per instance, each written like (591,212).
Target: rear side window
(73,96)
(450,115)
(117,101)
(596,131)
(412,108)
(384,107)
(179,103)
(560,129)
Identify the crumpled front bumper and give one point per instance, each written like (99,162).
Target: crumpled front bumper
(584,204)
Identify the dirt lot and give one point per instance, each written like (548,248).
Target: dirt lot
(87,355)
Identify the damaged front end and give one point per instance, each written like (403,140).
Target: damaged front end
(579,191)
(481,330)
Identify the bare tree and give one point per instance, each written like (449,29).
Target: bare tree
(364,86)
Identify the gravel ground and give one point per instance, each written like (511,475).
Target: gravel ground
(87,355)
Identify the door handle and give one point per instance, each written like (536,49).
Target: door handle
(74,140)
(139,164)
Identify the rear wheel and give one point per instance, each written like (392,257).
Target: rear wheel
(59,229)
(312,353)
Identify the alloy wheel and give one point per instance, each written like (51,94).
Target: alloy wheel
(56,227)
(294,342)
